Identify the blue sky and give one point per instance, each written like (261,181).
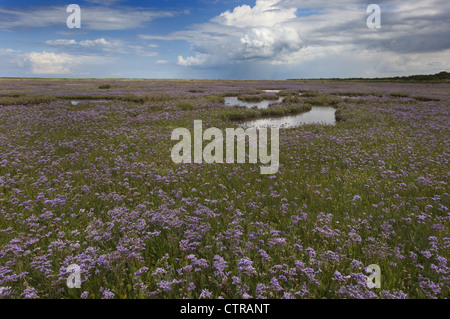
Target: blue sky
(263,39)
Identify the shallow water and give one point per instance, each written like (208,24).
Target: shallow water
(318,115)
(233,100)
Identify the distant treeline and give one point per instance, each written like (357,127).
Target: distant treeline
(438,77)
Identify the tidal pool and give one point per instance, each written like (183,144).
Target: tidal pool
(233,100)
(318,115)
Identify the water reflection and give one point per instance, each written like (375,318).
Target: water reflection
(233,100)
(318,115)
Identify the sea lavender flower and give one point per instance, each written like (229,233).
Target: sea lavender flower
(245,266)
(219,266)
(206,294)
(165,285)
(84,295)
(6,292)
(393,295)
(275,285)
(264,255)
(288,295)
(106,293)
(261,291)
(30,293)
(236,280)
(191,286)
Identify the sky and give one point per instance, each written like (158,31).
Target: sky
(223,39)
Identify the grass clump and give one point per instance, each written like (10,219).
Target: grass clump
(241,114)
(185,106)
(250,98)
(426,99)
(399,94)
(19,99)
(308,93)
(160,97)
(322,99)
(215,98)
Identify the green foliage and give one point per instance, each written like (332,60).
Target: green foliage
(399,94)
(215,98)
(323,100)
(19,99)
(185,106)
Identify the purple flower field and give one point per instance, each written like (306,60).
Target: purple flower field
(93,184)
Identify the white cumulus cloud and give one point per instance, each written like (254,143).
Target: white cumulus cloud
(247,33)
(264,13)
(100,42)
(50,63)
(198,59)
(61,42)
(269,42)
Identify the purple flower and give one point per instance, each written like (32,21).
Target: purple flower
(338,277)
(158,271)
(246,296)
(205,294)
(311,252)
(219,265)
(394,295)
(245,266)
(274,285)
(264,255)
(261,291)
(165,285)
(6,292)
(30,293)
(355,263)
(236,280)
(106,293)
(84,295)
(431,289)
(191,286)
(288,295)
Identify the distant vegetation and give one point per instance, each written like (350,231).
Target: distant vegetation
(399,94)
(438,77)
(23,99)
